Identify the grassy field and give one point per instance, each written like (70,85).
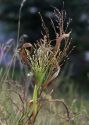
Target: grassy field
(11,104)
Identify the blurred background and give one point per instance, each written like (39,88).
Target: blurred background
(76,69)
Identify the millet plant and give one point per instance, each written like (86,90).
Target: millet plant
(44,62)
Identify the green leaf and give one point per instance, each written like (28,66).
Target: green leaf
(35,99)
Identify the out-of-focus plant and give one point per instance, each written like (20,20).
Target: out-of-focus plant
(45,60)
(5,48)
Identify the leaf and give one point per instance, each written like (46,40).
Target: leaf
(59,40)
(27,45)
(35,99)
(52,77)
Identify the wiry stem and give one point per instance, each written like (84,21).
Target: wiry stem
(19,18)
(61,101)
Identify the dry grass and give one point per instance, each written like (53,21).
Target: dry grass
(44,64)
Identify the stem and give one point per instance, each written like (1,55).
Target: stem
(19,18)
(18,31)
(61,101)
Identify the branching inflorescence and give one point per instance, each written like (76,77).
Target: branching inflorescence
(44,61)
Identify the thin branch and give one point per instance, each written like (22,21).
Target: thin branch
(58,101)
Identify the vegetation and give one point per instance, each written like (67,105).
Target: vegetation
(44,62)
(14,110)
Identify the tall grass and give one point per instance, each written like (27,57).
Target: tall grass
(14,108)
(44,63)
